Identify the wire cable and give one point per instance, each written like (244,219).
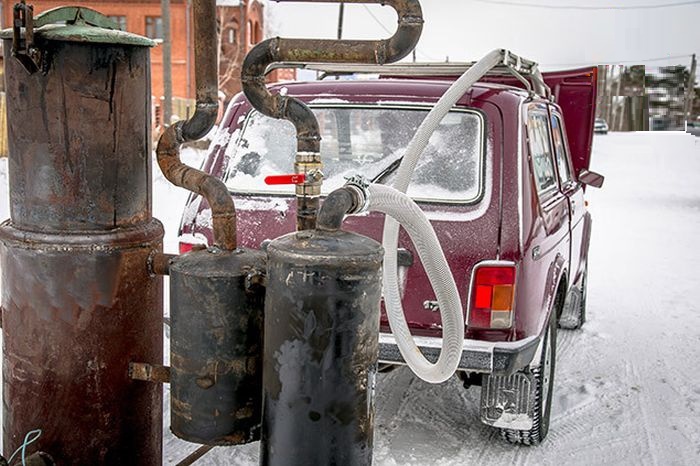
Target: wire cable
(28,440)
(591,7)
(377,20)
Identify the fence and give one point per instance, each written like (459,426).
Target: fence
(182,110)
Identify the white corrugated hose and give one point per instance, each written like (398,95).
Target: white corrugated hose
(402,210)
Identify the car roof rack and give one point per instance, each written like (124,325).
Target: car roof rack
(524,70)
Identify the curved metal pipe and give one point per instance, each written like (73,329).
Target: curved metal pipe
(201,122)
(308,160)
(337,204)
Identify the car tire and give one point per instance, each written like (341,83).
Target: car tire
(577,317)
(543,375)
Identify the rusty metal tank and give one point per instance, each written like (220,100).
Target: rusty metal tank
(216,336)
(78,301)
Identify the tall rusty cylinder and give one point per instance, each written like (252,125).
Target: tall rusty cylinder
(78,301)
(321,349)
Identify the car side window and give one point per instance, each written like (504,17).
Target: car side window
(541,152)
(560,151)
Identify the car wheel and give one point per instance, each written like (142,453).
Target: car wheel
(543,375)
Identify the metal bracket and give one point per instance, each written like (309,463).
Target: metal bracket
(360,185)
(23,48)
(149,372)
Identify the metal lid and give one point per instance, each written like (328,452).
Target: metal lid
(80,24)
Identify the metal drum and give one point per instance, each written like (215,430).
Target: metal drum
(78,302)
(216,315)
(321,348)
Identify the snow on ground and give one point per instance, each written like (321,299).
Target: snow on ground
(627,385)
(627,389)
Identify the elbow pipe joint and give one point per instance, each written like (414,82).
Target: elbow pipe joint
(353,198)
(168,152)
(212,189)
(256,63)
(201,122)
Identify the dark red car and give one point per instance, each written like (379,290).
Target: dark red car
(502,182)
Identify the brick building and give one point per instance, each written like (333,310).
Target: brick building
(144,17)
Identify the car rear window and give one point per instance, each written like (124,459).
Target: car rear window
(369,141)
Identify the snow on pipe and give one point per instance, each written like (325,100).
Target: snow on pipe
(355,197)
(438,272)
(201,122)
(258,60)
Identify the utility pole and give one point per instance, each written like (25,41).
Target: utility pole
(690,89)
(167,110)
(341,13)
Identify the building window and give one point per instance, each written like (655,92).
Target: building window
(258,33)
(120,20)
(154,27)
(232,35)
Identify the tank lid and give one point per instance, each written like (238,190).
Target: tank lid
(80,24)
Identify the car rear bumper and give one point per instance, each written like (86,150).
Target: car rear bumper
(497,358)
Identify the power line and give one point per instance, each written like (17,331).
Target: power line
(388,31)
(591,7)
(620,62)
(376,20)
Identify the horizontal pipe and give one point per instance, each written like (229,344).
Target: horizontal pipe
(410,26)
(168,152)
(159,263)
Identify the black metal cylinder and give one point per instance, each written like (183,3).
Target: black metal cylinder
(321,349)
(216,312)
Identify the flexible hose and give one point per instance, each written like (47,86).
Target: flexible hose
(433,259)
(401,208)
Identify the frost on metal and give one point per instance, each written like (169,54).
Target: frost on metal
(505,401)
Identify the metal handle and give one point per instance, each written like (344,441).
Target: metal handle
(23,48)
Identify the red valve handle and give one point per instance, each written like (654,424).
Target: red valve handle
(298,178)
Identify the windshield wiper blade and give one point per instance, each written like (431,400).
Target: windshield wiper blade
(392,166)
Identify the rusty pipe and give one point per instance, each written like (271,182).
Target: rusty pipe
(308,159)
(201,122)
(159,264)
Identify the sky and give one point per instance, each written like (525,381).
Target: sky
(561,37)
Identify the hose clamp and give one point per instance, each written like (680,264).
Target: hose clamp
(359,185)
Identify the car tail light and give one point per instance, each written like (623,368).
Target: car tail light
(492,296)
(189,242)
(185,247)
